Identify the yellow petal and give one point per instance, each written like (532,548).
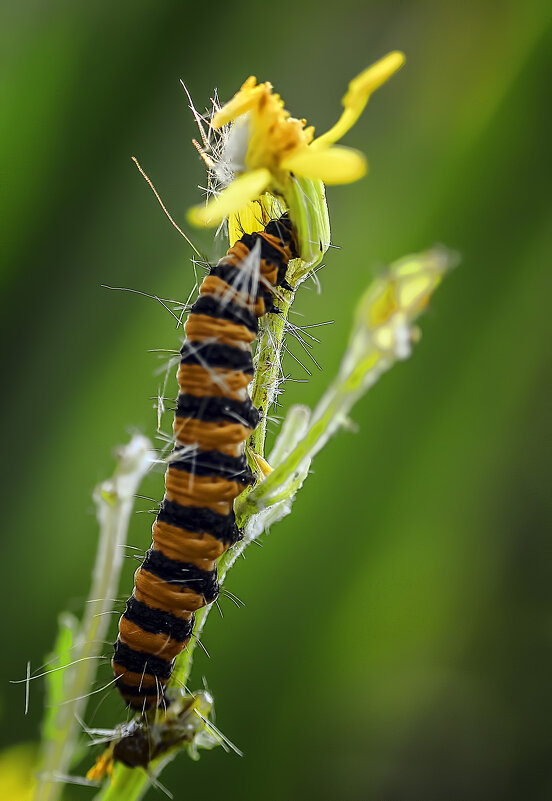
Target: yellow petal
(333,165)
(240,103)
(372,78)
(241,191)
(358,95)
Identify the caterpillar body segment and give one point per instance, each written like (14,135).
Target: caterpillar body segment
(207,469)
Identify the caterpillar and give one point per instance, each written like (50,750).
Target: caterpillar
(207,468)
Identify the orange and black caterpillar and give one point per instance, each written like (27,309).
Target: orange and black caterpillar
(207,468)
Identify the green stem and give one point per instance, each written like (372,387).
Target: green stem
(115,500)
(268,366)
(330,414)
(125,784)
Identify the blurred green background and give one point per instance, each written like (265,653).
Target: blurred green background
(396,640)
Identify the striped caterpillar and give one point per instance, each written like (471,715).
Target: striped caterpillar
(207,468)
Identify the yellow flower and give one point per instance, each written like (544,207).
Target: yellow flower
(268,151)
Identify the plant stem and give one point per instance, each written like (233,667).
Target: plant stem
(268,365)
(114,500)
(329,415)
(128,784)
